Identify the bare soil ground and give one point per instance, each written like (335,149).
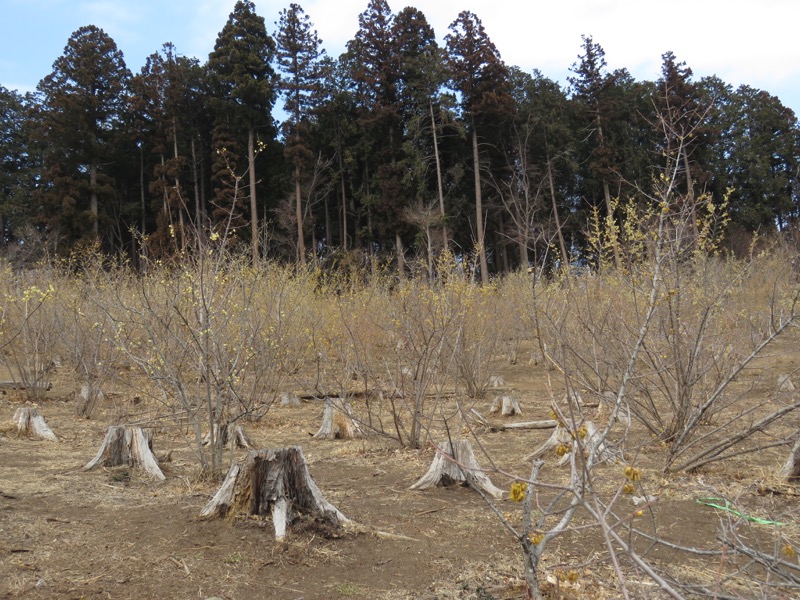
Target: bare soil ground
(114,533)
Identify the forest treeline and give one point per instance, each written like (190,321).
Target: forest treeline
(387,154)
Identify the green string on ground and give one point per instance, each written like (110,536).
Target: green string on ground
(728,507)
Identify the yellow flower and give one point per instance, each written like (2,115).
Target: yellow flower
(788,551)
(536,538)
(573,576)
(633,473)
(518,490)
(562,449)
(627,488)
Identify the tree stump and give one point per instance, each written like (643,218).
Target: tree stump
(338,421)
(791,469)
(496,381)
(233,436)
(276,483)
(456,465)
(507,406)
(563,443)
(290,399)
(30,422)
(89,395)
(785,383)
(127,446)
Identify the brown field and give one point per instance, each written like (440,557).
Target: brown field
(114,533)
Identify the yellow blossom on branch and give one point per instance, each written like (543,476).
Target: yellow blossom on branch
(518,490)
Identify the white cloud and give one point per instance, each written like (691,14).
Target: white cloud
(204,20)
(117,19)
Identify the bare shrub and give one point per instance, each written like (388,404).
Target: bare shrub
(208,336)
(29,327)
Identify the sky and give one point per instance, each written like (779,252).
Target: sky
(751,42)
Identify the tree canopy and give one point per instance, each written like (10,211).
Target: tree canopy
(383,157)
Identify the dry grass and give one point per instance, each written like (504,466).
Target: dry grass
(136,537)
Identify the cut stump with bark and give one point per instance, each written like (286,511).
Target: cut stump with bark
(277,483)
(456,465)
(233,437)
(507,406)
(127,446)
(31,423)
(338,421)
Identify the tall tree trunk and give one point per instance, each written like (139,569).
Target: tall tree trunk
(440,186)
(373,267)
(357,241)
(203,192)
(165,194)
(178,193)
(251,164)
(198,218)
(344,207)
(298,213)
(143,193)
(690,192)
(401,259)
(430,251)
(607,197)
(328,226)
(522,244)
(481,237)
(93,207)
(561,244)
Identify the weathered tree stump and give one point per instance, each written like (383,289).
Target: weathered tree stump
(276,483)
(233,436)
(785,383)
(456,465)
(290,399)
(30,422)
(127,446)
(338,421)
(89,395)
(605,406)
(560,440)
(507,406)
(496,381)
(791,469)
(563,442)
